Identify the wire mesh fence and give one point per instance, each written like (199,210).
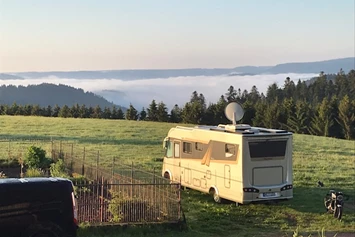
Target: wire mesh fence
(107,202)
(114,193)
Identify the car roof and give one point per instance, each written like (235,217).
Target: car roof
(33,180)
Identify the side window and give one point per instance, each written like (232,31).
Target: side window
(169,150)
(224,151)
(229,150)
(198,146)
(176,150)
(187,147)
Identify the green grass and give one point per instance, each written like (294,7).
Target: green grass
(315,158)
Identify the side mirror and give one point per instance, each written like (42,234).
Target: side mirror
(165,143)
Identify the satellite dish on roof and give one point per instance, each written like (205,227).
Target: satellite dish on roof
(234,112)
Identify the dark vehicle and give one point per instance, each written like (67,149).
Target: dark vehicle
(334,202)
(37,207)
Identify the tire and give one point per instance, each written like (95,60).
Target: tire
(216,197)
(167,175)
(338,212)
(44,229)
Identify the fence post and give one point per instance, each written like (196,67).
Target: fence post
(132,172)
(97,165)
(113,167)
(60,148)
(52,149)
(83,165)
(72,151)
(132,180)
(154,181)
(8,155)
(102,199)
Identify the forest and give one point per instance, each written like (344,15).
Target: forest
(49,94)
(324,107)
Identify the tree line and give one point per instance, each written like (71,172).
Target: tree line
(325,107)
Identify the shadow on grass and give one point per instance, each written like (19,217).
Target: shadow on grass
(175,229)
(125,141)
(311,200)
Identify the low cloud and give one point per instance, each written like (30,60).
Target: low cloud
(171,91)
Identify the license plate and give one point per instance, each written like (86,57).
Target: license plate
(269,195)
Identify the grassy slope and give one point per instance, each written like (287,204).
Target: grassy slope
(315,158)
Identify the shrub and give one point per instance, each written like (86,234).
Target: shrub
(79,179)
(36,158)
(124,208)
(11,163)
(34,172)
(58,169)
(79,182)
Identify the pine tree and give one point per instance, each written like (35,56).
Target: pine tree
(131,113)
(49,111)
(75,111)
(64,112)
(186,114)
(210,115)
(289,88)
(193,112)
(142,114)
(175,114)
(272,115)
(106,114)
(322,119)
(162,114)
(120,114)
(114,112)
(152,111)
(56,111)
(13,109)
(36,110)
(220,117)
(254,95)
(97,112)
(231,95)
(347,117)
(249,113)
(273,93)
(298,121)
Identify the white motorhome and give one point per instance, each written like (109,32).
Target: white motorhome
(235,162)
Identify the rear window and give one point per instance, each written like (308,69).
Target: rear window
(261,149)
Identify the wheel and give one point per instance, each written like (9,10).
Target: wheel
(215,196)
(167,175)
(338,212)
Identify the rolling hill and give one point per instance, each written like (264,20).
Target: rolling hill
(49,94)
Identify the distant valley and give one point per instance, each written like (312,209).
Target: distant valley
(328,66)
(139,87)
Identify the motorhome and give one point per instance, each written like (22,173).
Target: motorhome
(236,162)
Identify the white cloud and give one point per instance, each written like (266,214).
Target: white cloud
(171,91)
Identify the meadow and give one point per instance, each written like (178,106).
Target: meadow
(314,158)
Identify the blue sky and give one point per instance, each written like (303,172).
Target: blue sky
(40,35)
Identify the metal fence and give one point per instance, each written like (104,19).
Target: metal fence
(107,202)
(117,193)
(120,193)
